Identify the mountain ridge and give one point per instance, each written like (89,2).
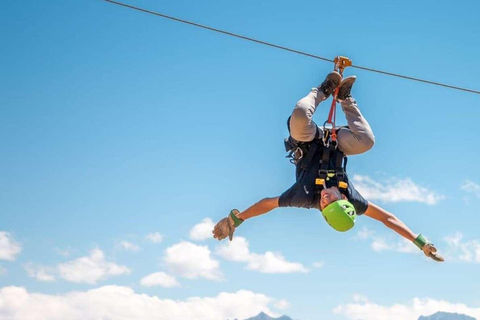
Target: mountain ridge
(436,316)
(446,316)
(264,316)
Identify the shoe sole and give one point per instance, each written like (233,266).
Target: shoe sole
(335,77)
(349,81)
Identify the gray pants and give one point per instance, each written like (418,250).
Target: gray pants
(356,139)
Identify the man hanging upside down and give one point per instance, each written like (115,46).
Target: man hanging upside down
(321,180)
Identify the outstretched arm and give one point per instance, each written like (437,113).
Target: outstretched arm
(391,221)
(226,227)
(261,207)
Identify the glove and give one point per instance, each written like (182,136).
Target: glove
(226,226)
(428,248)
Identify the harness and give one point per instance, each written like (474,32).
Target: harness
(302,153)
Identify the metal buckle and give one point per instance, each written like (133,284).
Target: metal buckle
(300,151)
(322,173)
(326,134)
(341,63)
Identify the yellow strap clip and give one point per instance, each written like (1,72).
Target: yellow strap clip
(319,181)
(342,185)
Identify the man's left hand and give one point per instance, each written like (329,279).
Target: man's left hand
(224,228)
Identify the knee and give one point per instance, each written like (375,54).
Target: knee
(303,108)
(302,113)
(361,143)
(368,141)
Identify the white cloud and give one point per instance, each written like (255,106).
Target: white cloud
(115,302)
(471,187)
(269,262)
(237,250)
(9,248)
(203,230)
(461,250)
(394,190)
(380,244)
(155,237)
(90,269)
(65,253)
(282,304)
(364,234)
(405,246)
(192,261)
(318,264)
(364,309)
(128,246)
(40,273)
(159,279)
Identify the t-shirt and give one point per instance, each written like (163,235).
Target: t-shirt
(302,193)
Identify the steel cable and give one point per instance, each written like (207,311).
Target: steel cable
(288,49)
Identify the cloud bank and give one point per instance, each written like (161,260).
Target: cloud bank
(238,250)
(90,269)
(361,308)
(116,302)
(192,261)
(394,190)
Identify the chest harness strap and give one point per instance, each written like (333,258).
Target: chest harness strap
(329,178)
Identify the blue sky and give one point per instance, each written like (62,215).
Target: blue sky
(116,125)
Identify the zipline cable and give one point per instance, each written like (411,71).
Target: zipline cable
(285,48)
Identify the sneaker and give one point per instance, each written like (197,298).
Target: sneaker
(345,88)
(330,83)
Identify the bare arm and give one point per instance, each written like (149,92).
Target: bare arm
(390,221)
(261,207)
(226,227)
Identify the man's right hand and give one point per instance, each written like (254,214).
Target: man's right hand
(224,228)
(428,248)
(431,252)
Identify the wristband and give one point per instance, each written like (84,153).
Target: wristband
(236,220)
(420,241)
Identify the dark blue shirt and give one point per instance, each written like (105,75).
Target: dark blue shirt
(302,193)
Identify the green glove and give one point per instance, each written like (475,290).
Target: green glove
(236,221)
(226,227)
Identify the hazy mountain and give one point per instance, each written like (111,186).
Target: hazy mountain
(263,316)
(436,316)
(446,316)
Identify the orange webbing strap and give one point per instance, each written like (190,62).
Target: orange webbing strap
(340,64)
(332,116)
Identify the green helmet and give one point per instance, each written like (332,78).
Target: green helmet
(340,215)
